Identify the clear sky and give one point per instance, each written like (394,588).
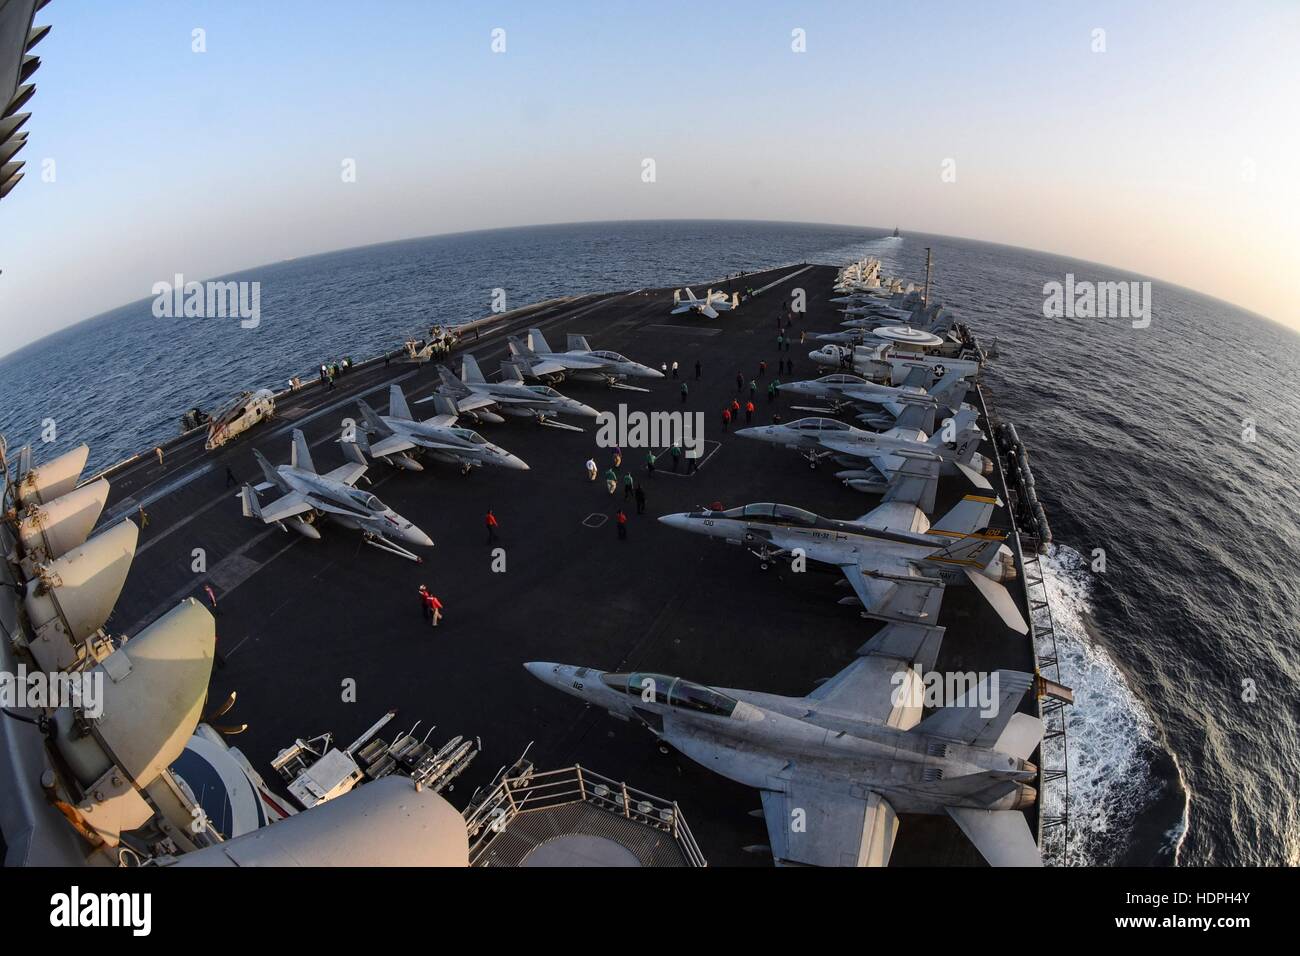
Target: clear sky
(1172,153)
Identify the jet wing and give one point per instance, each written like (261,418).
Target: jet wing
(349,473)
(917,377)
(391,445)
(471,402)
(286,506)
(911,487)
(889,595)
(547,367)
(882,685)
(813,826)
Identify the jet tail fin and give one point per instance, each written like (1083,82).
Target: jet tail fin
(537,342)
(968,443)
(450,383)
(969,515)
(917,415)
(578,343)
(1000,599)
(521,349)
(444,406)
(301,454)
(978,548)
(978,724)
(355,445)
(973,476)
(397,407)
(373,422)
(272,476)
(511,372)
(1021,737)
(1002,836)
(469,370)
(950,391)
(251,506)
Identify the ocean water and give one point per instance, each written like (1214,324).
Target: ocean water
(1169,451)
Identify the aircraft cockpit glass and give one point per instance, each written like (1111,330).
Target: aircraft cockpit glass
(795,515)
(367,500)
(757,510)
(470,436)
(609,356)
(645,686)
(704,700)
(544,390)
(672,691)
(819,425)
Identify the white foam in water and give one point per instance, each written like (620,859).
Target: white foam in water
(1107,731)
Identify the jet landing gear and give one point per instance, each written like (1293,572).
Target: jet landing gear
(815,458)
(767,556)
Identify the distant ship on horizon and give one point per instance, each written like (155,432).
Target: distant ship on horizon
(896,235)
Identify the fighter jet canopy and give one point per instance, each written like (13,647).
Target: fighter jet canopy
(819,425)
(842,379)
(767,509)
(672,691)
(366,500)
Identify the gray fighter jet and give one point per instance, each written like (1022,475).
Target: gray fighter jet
(886,363)
(474,395)
(836,768)
(579,362)
(842,390)
(309,495)
(709,306)
(896,562)
(883,453)
(399,434)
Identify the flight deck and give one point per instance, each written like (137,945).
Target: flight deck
(324,635)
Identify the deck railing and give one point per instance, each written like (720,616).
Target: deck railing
(1054,752)
(532,792)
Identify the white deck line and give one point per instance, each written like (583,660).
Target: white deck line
(773,285)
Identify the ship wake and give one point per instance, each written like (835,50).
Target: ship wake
(1111,737)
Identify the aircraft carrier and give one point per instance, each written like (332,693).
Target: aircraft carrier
(320,637)
(297,618)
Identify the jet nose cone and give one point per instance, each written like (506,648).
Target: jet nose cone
(680,520)
(560,676)
(542,670)
(757,431)
(654,372)
(420,537)
(586,411)
(517,463)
